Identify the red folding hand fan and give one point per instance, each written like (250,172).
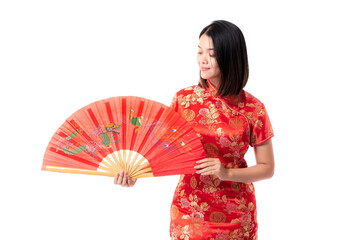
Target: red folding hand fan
(142,137)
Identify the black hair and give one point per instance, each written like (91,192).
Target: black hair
(231,56)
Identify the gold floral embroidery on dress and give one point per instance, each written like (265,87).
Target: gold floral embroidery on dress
(196,97)
(217,217)
(236,123)
(188,114)
(200,92)
(174,212)
(258,124)
(236,149)
(261,112)
(187,232)
(211,183)
(208,116)
(196,217)
(250,105)
(211,150)
(235,186)
(193,182)
(250,117)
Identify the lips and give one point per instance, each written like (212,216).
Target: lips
(203,69)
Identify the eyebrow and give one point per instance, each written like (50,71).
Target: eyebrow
(208,48)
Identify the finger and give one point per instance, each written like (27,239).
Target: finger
(120,178)
(128,180)
(209,173)
(203,160)
(205,164)
(124,180)
(204,170)
(132,182)
(116,178)
(206,160)
(135,180)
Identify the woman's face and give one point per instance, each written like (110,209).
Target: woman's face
(209,68)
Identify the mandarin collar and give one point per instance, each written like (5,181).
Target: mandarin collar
(236,101)
(211,88)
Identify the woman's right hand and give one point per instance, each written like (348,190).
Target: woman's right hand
(123,179)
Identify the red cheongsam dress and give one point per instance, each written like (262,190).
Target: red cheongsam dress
(204,207)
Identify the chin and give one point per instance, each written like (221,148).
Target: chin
(205,76)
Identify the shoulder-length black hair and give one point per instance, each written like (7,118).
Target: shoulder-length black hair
(231,56)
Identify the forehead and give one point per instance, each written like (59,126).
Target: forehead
(205,42)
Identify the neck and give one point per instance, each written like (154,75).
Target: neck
(215,82)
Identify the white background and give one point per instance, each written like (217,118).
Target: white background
(58,56)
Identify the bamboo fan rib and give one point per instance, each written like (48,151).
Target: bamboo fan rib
(142,137)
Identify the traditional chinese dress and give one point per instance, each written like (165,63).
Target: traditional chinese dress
(204,207)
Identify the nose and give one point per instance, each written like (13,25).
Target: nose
(203,59)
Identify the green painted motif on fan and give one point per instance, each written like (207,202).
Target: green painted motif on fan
(111,128)
(136,121)
(72,135)
(75,151)
(106,139)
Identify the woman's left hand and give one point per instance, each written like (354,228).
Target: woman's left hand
(211,166)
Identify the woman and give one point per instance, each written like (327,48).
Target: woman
(218,202)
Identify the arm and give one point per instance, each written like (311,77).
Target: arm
(263,169)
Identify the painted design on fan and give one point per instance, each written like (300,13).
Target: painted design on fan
(169,139)
(72,135)
(91,147)
(112,127)
(157,132)
(182,143)
(136,121)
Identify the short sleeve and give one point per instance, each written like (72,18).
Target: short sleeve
(261,128)
(174,103)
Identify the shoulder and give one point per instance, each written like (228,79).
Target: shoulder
(193,93)
(190,90)
(250,100)
(260,125)
(188,97)
(253,108)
